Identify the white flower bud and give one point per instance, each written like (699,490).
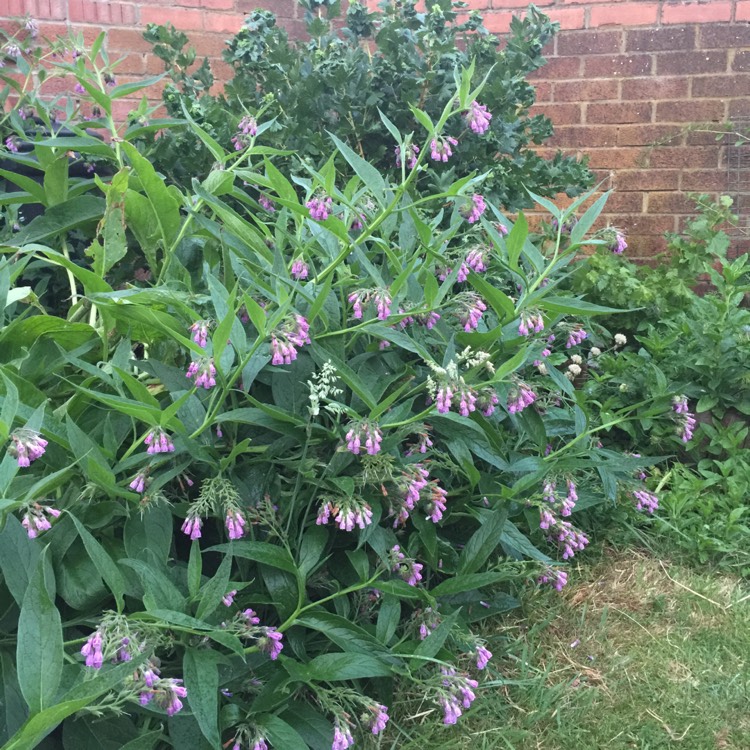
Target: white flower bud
(576,359)
(574,370)
(620,339)
(595,351)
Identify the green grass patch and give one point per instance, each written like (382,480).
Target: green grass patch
(636,654)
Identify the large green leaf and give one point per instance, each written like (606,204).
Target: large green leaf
(19,557)
(201,673)
(39,654)
(55,221)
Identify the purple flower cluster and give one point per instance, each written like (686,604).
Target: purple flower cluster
(576,336)
(555,578)
(440,148)
(469,311)
(235,523)
(11,145)
(266,203)
(203,371)
(476,258)
(457,694)
(269,640)
(685,418)
(271,643)
(139,481)
(380,297)
(646,501)
(349,514)
(429,620)
(473,209)
(569,539)
(405,567)
(35,521)
(285,340)
(478,118)
(342,735)
(248,127)
(565,504)
(443,272)
(228,599)
(158,441)
(364,432)
(192,526)
(27,446)
(199,329)
(436,504)
(619,245)
(531,323)
(320,207)
(411,151)
(300,270)
(483,655)
(379,717)
(519,397)
(414,479)
(166,693)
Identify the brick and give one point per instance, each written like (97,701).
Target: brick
(281,8)
(543,91)
(634,14)
(182,18)
(592,2)
(513,4)
(688,110)
(588,42)
(568,18)
(640,224)
(669,203)
(227,23)
(704,180)
(136,64)
(625,202)
(126,40)
(695,12)
(583,137)
(619,113)
(647,135)
(742,11)
(655,88)
(647,179)
(560,114)
(499,23)
(741,62)
(724,36)
(678,157)
(558,68)
(616,158)
(727,86)
(739,108)
(660,39)
(681,63)
(586,91)
(643,247)
(617,65)
(706,134)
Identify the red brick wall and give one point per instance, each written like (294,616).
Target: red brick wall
(622,75)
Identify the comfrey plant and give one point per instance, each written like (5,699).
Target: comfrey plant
(293,457)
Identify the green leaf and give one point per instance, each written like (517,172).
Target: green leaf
(369,175)
(335,667)
(515,240)
(500,302)
(389,617)
(201,673)
(19,557)
(160,591)
(346,634)
(56,221)
(435,640)
(165,205)
(482,542)
(281,734)
(573,306)
(515,543)
(145,741)
(262,552)
(56,180)
(13,711)
(105,565)
(149,533)
(215,588)
(126,89)
(470,582)
(113,246)
(39,653)
(587,220)
(195,568)
(26,183)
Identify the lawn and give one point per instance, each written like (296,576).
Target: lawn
(636,653)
